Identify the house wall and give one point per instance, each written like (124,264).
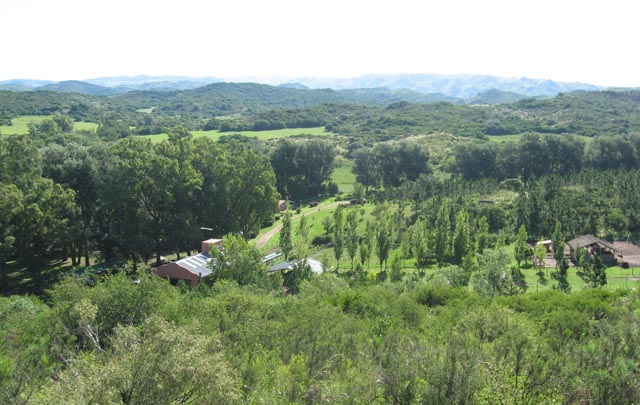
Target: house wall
(207,244)
(174,270)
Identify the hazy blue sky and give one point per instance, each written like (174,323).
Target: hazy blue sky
(545,39)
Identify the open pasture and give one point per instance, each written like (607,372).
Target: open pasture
(263,135)
(20,125)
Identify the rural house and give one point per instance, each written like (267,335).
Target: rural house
(594,247)
(190,269)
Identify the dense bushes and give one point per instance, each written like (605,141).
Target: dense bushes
(390,343)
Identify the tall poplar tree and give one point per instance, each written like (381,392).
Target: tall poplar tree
(520,249)
(338,235)
(443,228)
(286,244)
(351,235)
(461,236)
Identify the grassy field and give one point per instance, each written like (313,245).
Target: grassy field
(85,126)
(20,125)
(263,135)
(314,217)
(343,176)
(516,137)
(617,278)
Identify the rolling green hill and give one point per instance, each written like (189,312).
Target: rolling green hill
(75,86)
(376,113)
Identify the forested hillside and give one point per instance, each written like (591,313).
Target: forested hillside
(448,238)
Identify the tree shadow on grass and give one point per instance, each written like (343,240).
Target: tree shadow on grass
(542,278)
(32,278)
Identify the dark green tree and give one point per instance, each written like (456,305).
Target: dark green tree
(461,236)
(442,232)
(593,272)
(560,275)
(286,243)
(384,240)
(239,262)
(520,249)
(482,238)
(338,235)
(351,235)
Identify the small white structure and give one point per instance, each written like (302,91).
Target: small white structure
(314,265)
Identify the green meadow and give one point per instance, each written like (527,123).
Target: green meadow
(262,135)
(516,137)
(20,125)
(343,176)
(85,126)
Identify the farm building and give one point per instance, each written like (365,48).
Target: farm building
(190,269)
(314,265)
(284,205)
(594,247)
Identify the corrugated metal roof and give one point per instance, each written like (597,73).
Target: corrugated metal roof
(282,266)
(314,265)
(588,240)
(198,264)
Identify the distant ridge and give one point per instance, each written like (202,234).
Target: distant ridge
(495,96)
(22,84)
(459,86)
(452,88)
(383,95)
(144,82)
(75,86)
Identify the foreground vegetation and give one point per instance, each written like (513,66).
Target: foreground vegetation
(403,342)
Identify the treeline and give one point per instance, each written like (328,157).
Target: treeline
(536,155)
(410,341)
(130,199)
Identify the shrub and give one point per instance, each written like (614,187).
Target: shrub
(321,240)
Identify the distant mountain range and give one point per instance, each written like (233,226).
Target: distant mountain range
(460,86)
(418,88)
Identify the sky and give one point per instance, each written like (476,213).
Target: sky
(563,40)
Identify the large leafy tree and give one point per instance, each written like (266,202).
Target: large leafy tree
(253,198)
(239,262)
(390,164)
(11,205)
(75,166)
(183,223)
(42,227)
(302,167)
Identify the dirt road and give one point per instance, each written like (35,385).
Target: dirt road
(264,239)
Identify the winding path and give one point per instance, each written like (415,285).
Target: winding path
(264,239)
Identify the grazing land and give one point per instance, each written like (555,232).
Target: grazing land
(20,125)
(262,135)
